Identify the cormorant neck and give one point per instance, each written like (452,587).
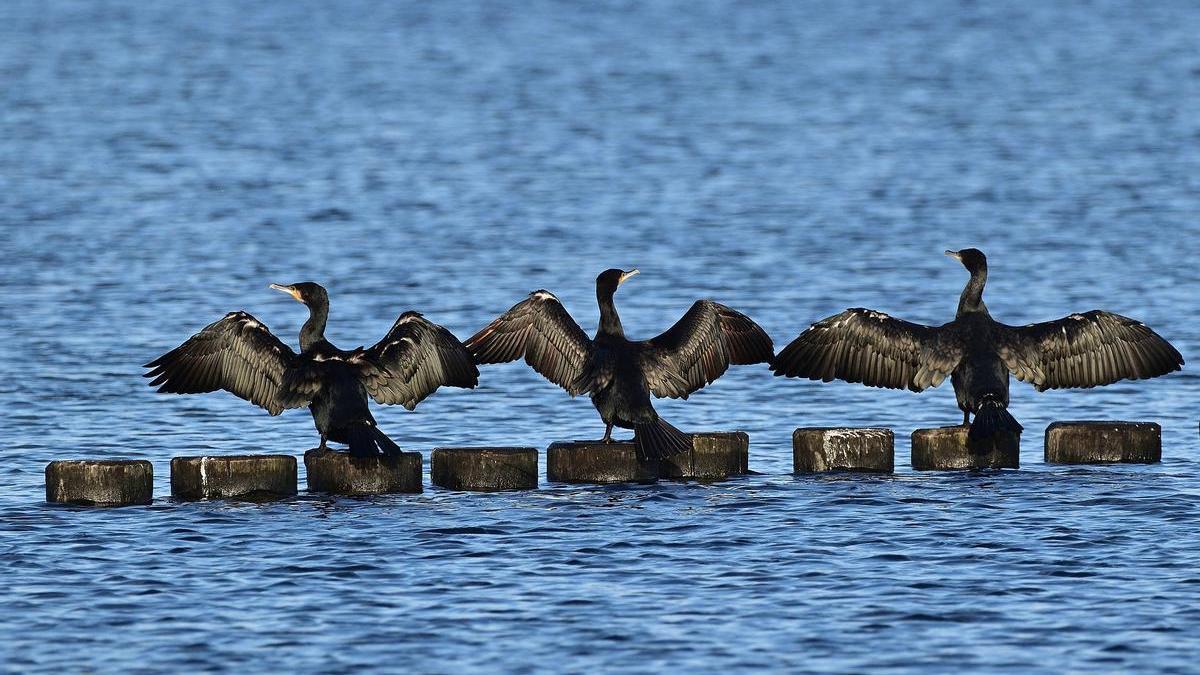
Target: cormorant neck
(313,330)
(610,323)
(971,299)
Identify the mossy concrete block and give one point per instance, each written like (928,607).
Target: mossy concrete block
(233,477)
(1103,443)
(820,449)
(949,448)
(596,462)
(714,455)
(340,473)
(100,482)
(485,469)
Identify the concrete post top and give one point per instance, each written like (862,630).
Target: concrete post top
(230,458)
(482,450)
(1105,424)
(99,462)
(845,431)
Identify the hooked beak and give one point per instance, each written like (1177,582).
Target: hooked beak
(290,290)
(955,255)
(625,275)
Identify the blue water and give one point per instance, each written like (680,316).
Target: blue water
(161,163)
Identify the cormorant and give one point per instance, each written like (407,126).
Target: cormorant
(240,355)
(977,352)
(618,373)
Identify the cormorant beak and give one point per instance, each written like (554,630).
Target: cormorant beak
(955,255)
(626,275)
(290,290)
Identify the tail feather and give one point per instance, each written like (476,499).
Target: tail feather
(992,417)
(659,440)
(367,440)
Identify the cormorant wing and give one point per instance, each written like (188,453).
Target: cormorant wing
(415,358)
(1086,350)
(862,345)
(238,354)
(700,347)
(540,329)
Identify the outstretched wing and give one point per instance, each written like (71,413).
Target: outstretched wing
(700,347)
(415,358)
(861,345)
(539,329)
(238,354)
(1086,350)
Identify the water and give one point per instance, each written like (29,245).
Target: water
(163,162)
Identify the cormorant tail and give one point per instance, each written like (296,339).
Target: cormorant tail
(991,417)
(658,440)
(366,440)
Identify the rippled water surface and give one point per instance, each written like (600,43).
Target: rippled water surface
(160,163)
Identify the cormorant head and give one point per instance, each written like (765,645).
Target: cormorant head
(306,292)
(972,258)
(608,280)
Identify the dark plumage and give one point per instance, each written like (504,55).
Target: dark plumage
(240,355)
(977,352)
(621,374)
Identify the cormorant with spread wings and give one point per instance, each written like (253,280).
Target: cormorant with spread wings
(620,374)
(240,355)
(977,352)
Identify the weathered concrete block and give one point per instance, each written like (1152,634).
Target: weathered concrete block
(100,482)
(596,462)
(233,477)
(818,449)
(339,473)
(485,469)
(949,448)
(714,455)
(1103,442)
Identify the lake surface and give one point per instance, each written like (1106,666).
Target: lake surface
(161,163)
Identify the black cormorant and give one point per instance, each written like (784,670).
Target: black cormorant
(621,374)
(977,352)
(240,355)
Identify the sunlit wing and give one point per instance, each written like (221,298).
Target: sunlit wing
(862,345)
(237,354)
(539,329)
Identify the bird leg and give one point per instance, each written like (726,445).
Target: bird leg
(966,419)
(608,427)
(323,445)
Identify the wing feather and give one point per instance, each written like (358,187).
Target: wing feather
(862,345)
(237,354)
(415,358)
(539,329)
(1086,350)
(700,347)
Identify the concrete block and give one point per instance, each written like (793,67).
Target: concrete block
(340,473)
(819,449)
(1103,442)
(714,455)
(250,477)
(596,462)
(948,448)
(100,482)
(485,469)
